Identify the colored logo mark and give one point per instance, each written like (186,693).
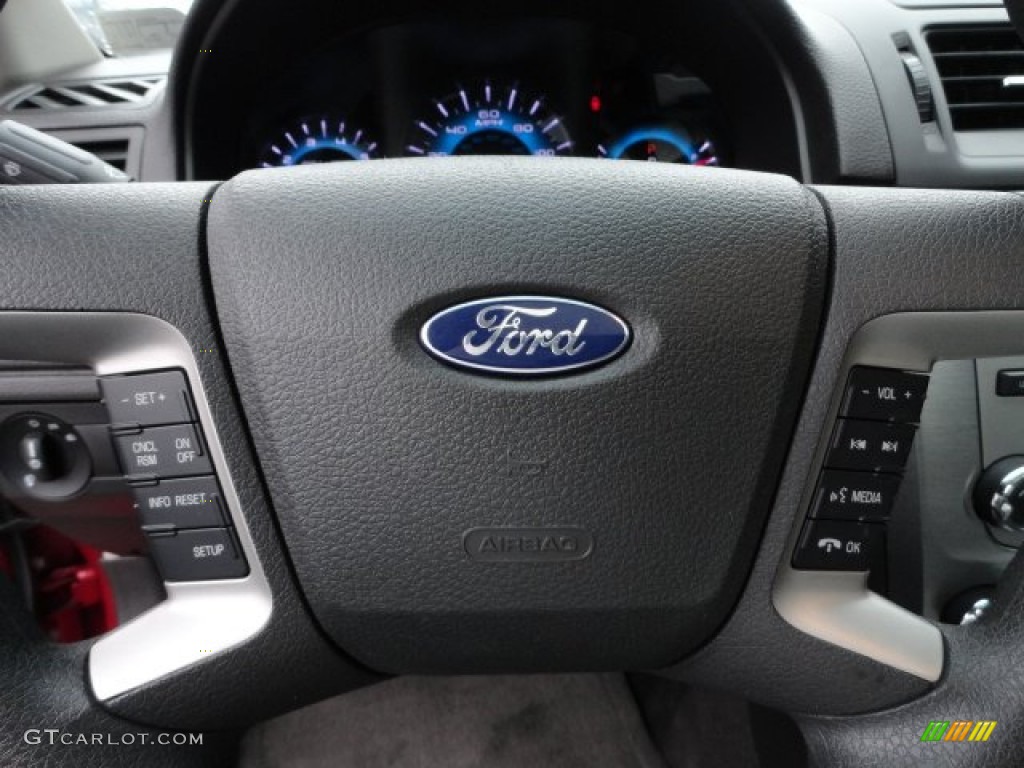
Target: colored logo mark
(959,730)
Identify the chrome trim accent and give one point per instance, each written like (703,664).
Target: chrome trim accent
(838,607)
(198,619)
(1013,81)
(976,611)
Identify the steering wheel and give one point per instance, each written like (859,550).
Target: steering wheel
(404,513)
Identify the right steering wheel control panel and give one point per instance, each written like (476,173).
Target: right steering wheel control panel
(915,500)
(871,441)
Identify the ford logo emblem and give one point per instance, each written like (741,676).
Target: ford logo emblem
(525,335)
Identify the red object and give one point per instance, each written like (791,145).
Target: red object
(73,597)
(595,103)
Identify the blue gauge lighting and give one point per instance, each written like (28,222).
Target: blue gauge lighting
(319,147)
(319,140)
(660,144)
(490,120)
(498,129)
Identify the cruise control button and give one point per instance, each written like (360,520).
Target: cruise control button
(870,446)
(192,502)
(885,395)
(198,555)
(854,495)
(147,399)
(164,451)
(831,545)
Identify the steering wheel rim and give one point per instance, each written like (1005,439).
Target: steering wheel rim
(882,242)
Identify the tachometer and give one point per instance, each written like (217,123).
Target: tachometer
(490,120)
(660,144)
(318,140)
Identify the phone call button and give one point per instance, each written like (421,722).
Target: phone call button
(837,545)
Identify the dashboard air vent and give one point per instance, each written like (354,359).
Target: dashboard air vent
(982,71)
(112,151)
(100,93)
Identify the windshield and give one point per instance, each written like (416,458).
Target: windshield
(126,27)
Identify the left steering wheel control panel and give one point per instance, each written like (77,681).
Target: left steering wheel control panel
(108,449)
(103,460)
(177,494)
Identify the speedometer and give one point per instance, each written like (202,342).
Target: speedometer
(490,120)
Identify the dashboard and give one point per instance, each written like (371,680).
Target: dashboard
(534,87)
(549,80)
(825,91)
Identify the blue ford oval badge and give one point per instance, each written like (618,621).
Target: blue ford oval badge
(525,335)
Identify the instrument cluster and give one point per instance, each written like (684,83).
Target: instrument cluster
(543,87)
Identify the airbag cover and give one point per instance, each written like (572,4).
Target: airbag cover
(440,520)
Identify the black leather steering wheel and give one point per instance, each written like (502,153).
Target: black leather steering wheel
(684,462)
